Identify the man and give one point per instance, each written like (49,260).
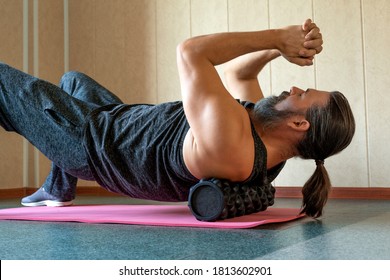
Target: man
(312,124)
(159,151)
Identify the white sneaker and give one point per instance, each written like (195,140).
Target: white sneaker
(42,198)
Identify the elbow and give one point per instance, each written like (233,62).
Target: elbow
(183,57)
(188,56)
(182,53)
(185,46)
(186,50)
(181,48)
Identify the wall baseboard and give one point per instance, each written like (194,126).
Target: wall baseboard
(22,192)
(282,192)
(341,192)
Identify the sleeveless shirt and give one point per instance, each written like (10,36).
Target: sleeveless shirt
(137,150)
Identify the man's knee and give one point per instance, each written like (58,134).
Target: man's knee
(72,76)
(71,81)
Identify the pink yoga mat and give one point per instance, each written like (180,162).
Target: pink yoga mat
(154,215)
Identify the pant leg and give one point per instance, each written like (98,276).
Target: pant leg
(46,116)
(59,183)
(84,88)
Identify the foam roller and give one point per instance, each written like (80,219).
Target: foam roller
(217,199)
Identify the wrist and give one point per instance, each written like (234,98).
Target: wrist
(276,40)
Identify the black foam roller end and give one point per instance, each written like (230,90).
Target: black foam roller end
(206,201)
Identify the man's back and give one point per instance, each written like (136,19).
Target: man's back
(136,150)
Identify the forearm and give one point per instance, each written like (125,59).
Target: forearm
(249,66)
(198,56)
(241,74)
(297,43)
(223,47)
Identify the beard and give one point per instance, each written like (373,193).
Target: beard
(265,112)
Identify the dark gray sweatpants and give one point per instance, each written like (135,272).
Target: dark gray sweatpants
(52,119)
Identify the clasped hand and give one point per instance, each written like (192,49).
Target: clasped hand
(300,43)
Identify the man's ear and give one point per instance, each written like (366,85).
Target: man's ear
(299,124)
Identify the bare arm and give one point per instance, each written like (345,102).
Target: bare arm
(220,142)
(242,73)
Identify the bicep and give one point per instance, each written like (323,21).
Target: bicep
(215,117)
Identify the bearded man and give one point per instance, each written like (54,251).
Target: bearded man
(158,152)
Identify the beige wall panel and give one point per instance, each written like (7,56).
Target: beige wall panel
(140,52)
(376,29)
(209,17)
(11,52)
(114,42)
(248,15)
(285,75)
(82,47)
(110,37)
(51,40)
(173,26)
(30,35)
(11,30)
(251,15)
(340,67)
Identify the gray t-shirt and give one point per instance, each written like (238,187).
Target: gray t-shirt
(137,150)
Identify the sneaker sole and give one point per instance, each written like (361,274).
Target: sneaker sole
(49,203)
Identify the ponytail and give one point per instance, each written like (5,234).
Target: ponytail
(316,191)
(331,130)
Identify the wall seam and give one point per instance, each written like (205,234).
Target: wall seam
(66,36)
(227,16)
(366,113)
(270,64)
(36,74)
(156,95)
(25,152)
(191,29)
(315,64)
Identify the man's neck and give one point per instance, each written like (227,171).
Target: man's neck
(279,144)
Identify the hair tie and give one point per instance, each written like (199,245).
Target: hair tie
(320,162)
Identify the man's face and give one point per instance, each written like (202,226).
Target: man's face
(274,110)
(300,100)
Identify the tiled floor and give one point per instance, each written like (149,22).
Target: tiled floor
(350,229)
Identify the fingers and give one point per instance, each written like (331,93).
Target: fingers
(318,49)
(314,45)
(306,25)
(307,53)
(301,61)
(310,43)
(313,40)
(314,33)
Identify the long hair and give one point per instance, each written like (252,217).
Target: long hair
(331,130)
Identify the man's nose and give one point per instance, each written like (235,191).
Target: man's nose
(296,90)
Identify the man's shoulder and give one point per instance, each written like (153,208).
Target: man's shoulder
(233,161)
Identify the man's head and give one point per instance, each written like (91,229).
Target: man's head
(325,117)
(329,126)
(332,128)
